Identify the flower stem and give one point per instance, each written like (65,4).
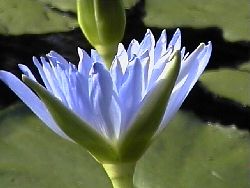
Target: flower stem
(121,174)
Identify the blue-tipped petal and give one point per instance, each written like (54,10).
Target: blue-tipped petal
(147,44)
(77,129)
(26,71)
(133,49)
(85,63)
(131,91)
(183,86)
(160,47)
(175,43)
(122,57)
(52,80)
(103,101)
(57,58)
(96,57)
(116,74)
(31,100)
(114,113)
(137,138)
(42,73)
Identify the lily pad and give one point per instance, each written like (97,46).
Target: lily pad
(188,154)
(129,3)
(33,156)
(191,154)
(32,17)
(245,67)
(40,16)
(228,83)
(200,14)
(64,5)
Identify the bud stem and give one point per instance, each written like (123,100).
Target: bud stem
(107,53)
(121,174)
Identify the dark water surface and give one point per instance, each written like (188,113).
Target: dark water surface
(211,108)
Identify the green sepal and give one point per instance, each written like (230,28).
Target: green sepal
(103,24)
(74,127)
(138,137)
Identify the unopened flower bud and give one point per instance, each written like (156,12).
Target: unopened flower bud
(103,24)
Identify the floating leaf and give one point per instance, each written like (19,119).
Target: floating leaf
(64,5)
(191,154)
(70,5)
(228,83)
(40,16)
(245,66)
(32,17)
(231,16)
(129,3)
(188,154)
(33,156)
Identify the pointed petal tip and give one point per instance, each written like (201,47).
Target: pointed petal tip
(20,66)
(209,45)
(80,51)
(120,48)
(178,31)
(34,58)
(2,73)
(148,31)
(164,33)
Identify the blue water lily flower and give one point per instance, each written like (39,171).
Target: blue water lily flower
(113,112)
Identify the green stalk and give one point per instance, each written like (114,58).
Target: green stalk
(121,174)
(107,52)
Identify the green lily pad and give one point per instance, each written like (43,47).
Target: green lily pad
(70,5)
(231,16)
(64,5)
(32,17)
(228,83)
(129,3)
(191,154)
(245,67)
(188,154)
(39,16)
(34,157)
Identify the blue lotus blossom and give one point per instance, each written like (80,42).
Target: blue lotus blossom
(112,101)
